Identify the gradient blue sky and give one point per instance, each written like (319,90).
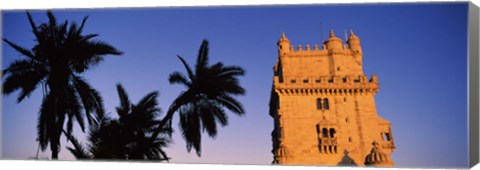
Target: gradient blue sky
(419,52)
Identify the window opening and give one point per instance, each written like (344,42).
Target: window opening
(325,104)
(319,104)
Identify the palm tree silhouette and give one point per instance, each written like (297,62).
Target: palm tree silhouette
(61,55)
(210,89)
(127,137)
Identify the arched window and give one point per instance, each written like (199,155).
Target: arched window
(319,104)
(325,132)
(332,133)
(325,104)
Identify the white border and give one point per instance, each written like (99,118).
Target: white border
(44,4)
(6,5)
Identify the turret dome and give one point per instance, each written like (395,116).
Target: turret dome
(333,42)
(354,43)
(353,36)
(377,157)
(283,45)
(283,38)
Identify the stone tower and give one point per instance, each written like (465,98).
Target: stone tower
(323,107)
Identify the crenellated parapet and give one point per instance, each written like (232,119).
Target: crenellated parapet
(333,45)
(338,85)
(306,50)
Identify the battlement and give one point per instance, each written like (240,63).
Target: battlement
(347,85)
(308,50)
(331,45)
(316,47)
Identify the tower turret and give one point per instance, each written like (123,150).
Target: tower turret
(377,157)
(283,45)
(333,42)
(354,43)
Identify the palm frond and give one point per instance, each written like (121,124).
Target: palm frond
(202,58)
(164,155)
(155,151)
(23,75)
(178,78)
(89,54)
(63,28)
(232,104)
(94,134)
(125,104)
(74,109)
(56,128)
(70,120)
(42,129)
(52,22)
(79,153)
(46,121)
(149,100)
(148,104)
(207,118)
(91,100)
(100,48)
(220,116)
(34,28)
(78,150)
(88,37)
(190,128)
(187,67)
(231,86)
(80,29)
(72,34)
(231,71)
(20,49)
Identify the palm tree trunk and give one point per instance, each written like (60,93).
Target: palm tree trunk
(38,151)
(59,112)
(55,154)
(176,104)
(164,121)
(55,144)
(54,149)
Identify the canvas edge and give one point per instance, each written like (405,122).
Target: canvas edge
(473,51)
(1,89)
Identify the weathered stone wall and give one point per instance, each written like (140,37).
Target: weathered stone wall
(306,78)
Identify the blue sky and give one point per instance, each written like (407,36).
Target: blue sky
(419,52)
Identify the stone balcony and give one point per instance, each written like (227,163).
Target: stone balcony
(328,145)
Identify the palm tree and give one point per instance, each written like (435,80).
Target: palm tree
(55,63)
(209,89)
(127,137)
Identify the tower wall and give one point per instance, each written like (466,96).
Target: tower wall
(325,89)
(312,63)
